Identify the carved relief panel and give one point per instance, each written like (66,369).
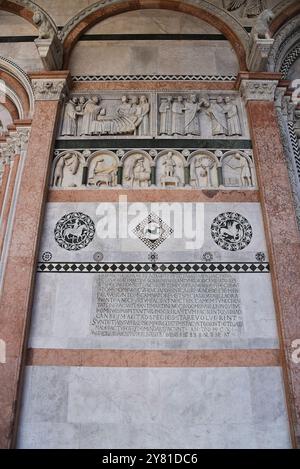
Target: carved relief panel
(68,170)
(204,170)
(102,169)
(137,170)
(200,115)
(144,168)
(103,115)
(170,169)
(204,115)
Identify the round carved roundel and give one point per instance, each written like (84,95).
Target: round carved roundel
(74,231)
(231,231)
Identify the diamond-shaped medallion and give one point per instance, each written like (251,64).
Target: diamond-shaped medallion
(153,231)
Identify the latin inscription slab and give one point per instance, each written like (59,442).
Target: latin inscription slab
(166,305)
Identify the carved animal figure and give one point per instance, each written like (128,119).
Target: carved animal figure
(75,233)
(45,28)
(232,232)
(261,29)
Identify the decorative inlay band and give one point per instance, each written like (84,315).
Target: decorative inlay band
(204,268)
(95,78)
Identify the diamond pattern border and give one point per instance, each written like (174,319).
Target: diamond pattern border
(147,267)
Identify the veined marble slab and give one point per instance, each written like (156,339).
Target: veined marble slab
(153,408)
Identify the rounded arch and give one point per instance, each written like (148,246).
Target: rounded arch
(215,16)
(73,178)
(26,9)
(284,15)
(106,174)
(136,152)
(164,152)
(203,169)
(285,41)
(240,175)
(233,152)
(208,153)
(17,88)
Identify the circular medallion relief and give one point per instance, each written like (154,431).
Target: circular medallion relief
(231,231)
(74,231)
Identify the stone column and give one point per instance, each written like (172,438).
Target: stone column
(281,228)
(13,150)
(19,275)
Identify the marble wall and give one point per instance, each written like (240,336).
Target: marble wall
(24,54)
(127,57)
(71,407)
(63,316)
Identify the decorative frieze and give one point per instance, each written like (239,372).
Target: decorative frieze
(100,78)
(148,114)
(142,168)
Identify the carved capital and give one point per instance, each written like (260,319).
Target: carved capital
(49,89)
(21,140)
(258,90)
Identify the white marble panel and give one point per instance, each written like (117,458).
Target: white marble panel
(153,57)
(153,22)
(24,54)
(154,408)
(64,321)
(14,25)
(177,248)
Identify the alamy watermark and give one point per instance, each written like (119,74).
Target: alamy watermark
(123,220)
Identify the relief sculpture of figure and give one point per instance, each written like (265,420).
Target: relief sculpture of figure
(69,119)
(251,9)
(91,110)
(1,128)
(135,113)
(192,124)
(104,174)
(128,118)
(66,168)
(172,171)
(178,116)
(202,169)
(241,169)
(124,108)
(169,165)
(144,127)
(165,111)
(87,117)
(233,120)
(138,173)
(79,113)
(217,116)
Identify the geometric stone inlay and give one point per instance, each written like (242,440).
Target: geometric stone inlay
(231,231)
(74,231)
(152,231)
